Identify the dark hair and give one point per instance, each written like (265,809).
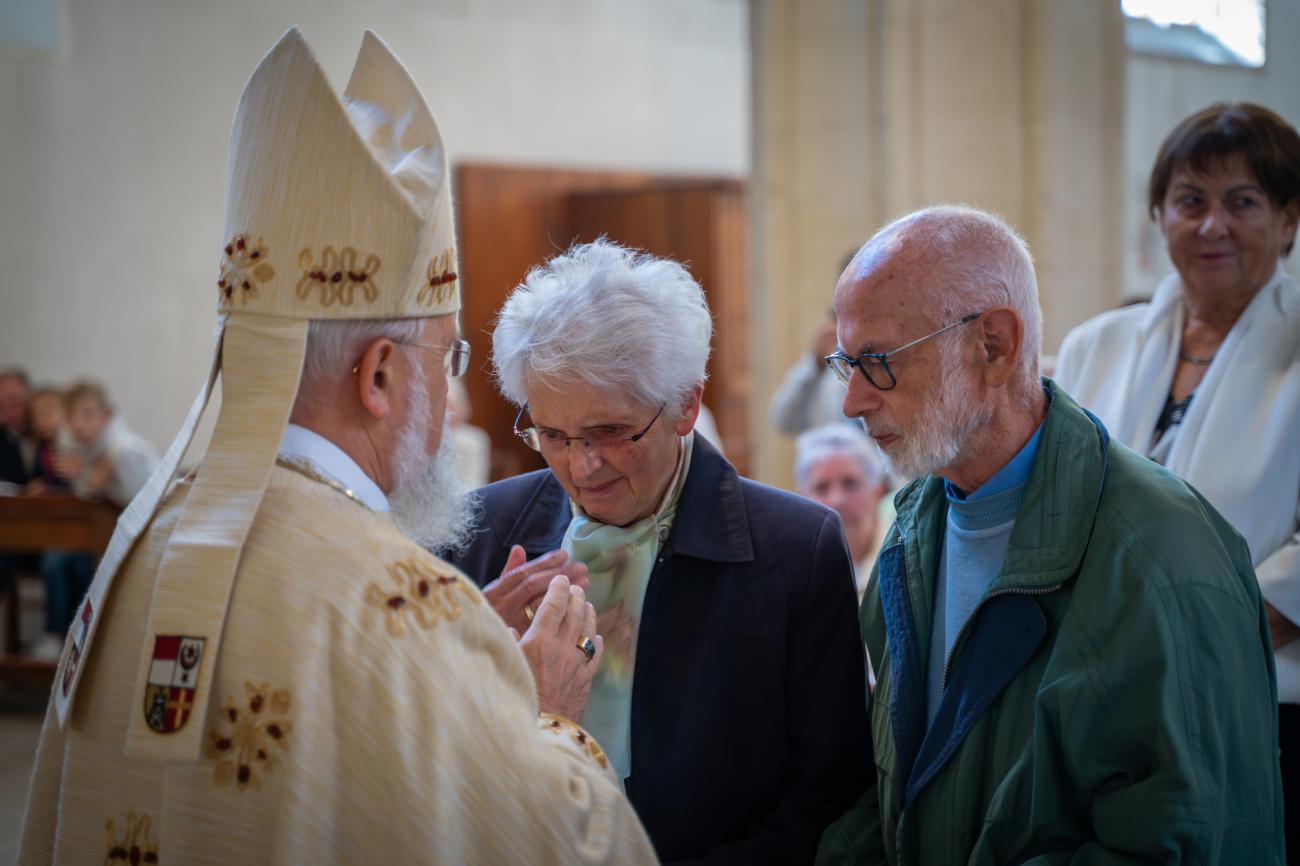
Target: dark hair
(1268,144)
(16,373)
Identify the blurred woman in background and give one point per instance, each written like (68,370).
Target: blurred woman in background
(837,466)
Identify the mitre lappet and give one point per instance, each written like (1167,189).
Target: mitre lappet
(337,207)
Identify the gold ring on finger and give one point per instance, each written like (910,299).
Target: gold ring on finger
(588,647)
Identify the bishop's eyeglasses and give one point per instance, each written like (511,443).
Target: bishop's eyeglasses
(875,365)
(456,361)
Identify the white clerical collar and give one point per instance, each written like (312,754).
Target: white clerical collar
(303,444)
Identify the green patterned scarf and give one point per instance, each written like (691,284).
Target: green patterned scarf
(619,560)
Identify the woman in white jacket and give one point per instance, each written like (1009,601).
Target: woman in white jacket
(1205,378)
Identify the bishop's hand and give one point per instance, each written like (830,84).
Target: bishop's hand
(553,646)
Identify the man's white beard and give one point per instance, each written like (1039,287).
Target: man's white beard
(940,431)
(429,503)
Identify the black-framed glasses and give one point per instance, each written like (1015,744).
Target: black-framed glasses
(875,365)
(600,438)
(456,361)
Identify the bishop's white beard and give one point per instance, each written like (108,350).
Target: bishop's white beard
(934,439)
(429,504)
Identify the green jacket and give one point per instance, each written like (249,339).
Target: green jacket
(1112,699)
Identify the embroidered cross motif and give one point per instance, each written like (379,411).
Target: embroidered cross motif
(441,280)
(135,846)
(248,735)
(561,726)
(243,269)
(337,276)
(429,595)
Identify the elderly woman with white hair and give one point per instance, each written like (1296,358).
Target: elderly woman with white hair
(837,466)
(731,698)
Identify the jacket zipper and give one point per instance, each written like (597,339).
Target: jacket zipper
(947,665)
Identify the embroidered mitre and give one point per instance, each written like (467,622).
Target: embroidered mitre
(337,207)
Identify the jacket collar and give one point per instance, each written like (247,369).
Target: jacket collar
(711,523)
(1056,517)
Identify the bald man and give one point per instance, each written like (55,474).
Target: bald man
(1072,652)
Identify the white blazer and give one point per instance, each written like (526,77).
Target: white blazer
(1238,444)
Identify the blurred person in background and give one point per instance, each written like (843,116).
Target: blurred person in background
(47,425)
(838,467)
(15,451)
(1205,378)
(732,698)
(65,574)
(809,396)
(100,456)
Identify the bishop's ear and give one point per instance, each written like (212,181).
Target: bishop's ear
(375,374)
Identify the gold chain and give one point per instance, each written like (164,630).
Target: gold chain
(307,469)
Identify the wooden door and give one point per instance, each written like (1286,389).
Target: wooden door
(511,219)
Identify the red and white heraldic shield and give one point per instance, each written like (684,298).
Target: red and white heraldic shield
(173,676)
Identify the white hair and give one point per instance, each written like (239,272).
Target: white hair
(831,440)
(609,317)
(985,264)
(335,345)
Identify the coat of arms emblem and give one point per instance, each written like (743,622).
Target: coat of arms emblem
(80,631)
(173,678)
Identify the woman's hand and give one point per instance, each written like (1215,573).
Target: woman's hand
(523,584)
(552,646)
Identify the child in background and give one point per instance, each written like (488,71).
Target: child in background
(101,457)
(65,573)
(46,410)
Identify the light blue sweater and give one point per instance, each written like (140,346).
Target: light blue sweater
(974,545)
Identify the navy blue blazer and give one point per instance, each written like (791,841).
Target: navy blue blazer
(749,727)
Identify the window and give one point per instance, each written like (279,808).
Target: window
(31,24)
(1222,32)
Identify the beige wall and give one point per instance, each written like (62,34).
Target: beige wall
(114,150)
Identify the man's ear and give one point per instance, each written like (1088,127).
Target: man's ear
(375,376)
(1000,334)
(690,410)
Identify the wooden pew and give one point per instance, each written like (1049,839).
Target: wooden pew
(34,524)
